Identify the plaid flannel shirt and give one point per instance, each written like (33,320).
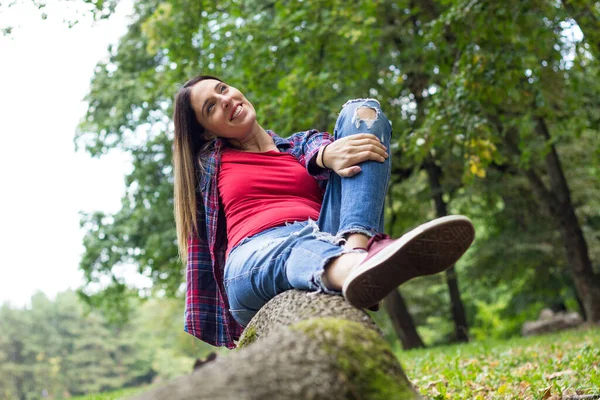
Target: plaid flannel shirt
(206,306)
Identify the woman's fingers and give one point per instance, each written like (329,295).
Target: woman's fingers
(368,155)
(365,155)
(375,145)
(351,150)
(354,169)
(375,149)
(363,136)
(349,172)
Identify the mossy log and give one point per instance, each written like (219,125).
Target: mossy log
(300,345)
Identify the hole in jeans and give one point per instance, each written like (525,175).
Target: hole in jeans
(366,114)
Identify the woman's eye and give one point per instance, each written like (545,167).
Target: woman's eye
(210,107)
(223,87)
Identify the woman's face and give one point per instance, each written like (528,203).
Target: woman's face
(222,110)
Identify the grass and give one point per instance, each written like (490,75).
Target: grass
(549,367)
(116,395)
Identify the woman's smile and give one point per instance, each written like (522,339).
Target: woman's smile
(236,112)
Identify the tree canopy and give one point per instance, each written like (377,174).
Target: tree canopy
(501,97)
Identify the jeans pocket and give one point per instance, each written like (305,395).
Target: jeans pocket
(239,244)
(242,316)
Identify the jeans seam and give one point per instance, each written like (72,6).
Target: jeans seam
(370,232)
(250,272)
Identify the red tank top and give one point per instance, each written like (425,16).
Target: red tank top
(263,190)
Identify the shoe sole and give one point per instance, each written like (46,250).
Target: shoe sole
(426,250)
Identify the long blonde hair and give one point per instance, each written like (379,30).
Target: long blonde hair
(188,145)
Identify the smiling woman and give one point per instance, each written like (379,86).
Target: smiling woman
(258,214)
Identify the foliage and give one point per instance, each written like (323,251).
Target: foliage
(58,348)
(560,364)
(52,348)
(465,83)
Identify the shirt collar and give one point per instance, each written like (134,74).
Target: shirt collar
(279,141)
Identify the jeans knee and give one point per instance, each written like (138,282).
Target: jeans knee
(366,112)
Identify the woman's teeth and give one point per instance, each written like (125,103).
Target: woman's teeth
(237,111)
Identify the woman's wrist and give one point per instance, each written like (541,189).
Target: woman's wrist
(320,157)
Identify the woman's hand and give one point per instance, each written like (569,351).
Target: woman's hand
(344,155)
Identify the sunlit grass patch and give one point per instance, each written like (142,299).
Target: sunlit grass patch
(559,365)
(115,395)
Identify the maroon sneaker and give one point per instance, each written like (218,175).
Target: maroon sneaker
(428,249)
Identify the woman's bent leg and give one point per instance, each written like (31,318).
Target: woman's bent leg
(356,204)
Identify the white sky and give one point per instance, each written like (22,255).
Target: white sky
(45,70)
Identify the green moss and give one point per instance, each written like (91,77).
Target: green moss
(366,360)
(248,337)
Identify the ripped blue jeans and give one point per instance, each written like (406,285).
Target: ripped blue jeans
(294,256)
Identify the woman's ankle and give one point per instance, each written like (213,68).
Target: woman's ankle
(338,269)
(357,240)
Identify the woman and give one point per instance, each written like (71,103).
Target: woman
(246,202)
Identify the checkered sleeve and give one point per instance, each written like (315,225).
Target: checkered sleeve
(308,143)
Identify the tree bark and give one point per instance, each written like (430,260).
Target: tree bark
(461,328)
(558,199)
(402,321)
(581,306)
(300,345)
(396,308)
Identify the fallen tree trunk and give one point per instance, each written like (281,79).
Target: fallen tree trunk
(300,345)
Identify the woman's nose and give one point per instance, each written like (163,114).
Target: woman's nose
(226,101)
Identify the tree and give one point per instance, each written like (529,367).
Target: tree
(434,173)
(14,354)
(53,349)
(525,89)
